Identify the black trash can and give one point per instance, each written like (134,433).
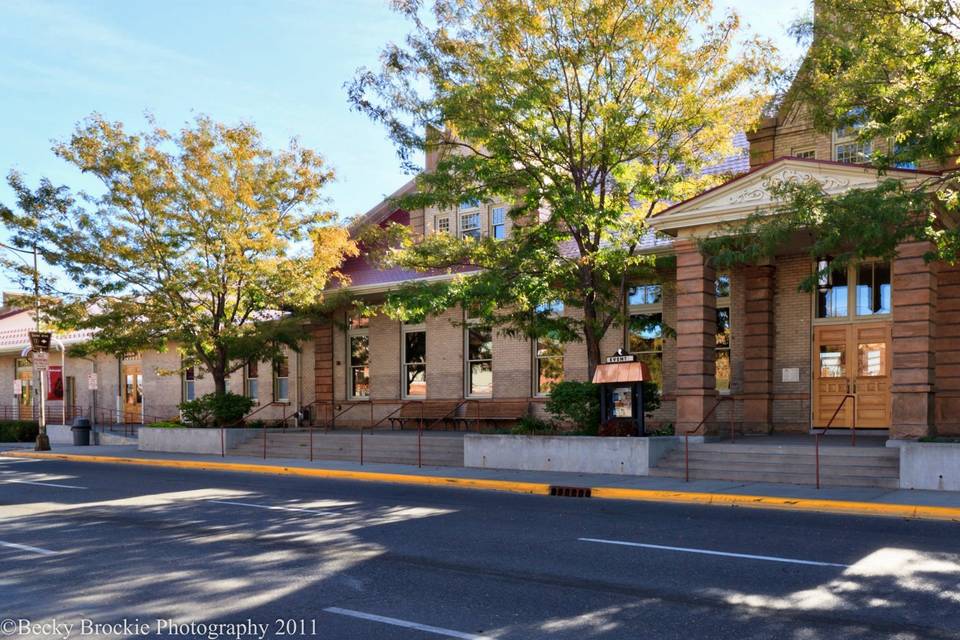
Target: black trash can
(81,432)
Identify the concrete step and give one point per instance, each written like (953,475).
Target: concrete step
(826,479)
(868,466)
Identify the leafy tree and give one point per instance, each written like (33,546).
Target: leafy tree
(891,70)
(586,116)
(200,238)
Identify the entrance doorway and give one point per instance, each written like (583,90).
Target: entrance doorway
(852,359)
(133,393)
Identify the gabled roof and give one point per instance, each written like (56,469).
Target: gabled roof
(738,198)
(385,208)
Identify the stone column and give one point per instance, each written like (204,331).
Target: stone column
(696,335)
(914,336)
(758,338)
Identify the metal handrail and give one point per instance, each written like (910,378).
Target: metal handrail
(686,436)
(823,432)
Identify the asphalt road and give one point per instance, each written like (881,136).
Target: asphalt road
(96,544)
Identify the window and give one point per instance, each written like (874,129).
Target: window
(645,294)
(252,383)
(414,361)
(873,289)
(470,225)
(549,364)
(358,343)
(722,347)
(645,331)
(479,361)
(832,292)
(189,384)
(443,225)
(281,379)
(499,223)
(862,290)
(847,147)
(901,157)
(806,154)
(548,355)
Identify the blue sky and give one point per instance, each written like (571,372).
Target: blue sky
(280,64)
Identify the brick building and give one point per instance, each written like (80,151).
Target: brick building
(884,334)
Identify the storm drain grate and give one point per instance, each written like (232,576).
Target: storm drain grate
(569,492)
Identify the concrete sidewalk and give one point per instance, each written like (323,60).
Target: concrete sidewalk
(867,501)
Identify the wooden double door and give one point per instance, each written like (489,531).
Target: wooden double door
(852,359)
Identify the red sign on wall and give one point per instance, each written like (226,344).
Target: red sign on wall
(56,384)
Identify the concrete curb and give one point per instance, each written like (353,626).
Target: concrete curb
(885,509)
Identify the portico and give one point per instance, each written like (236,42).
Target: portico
(862,345)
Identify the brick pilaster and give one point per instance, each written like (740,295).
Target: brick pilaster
(696,335)
(914,341)
(323,361)
(758,337)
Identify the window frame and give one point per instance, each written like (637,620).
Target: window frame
(357,327)
(494,225)
(804,153)
(651,305)
(276,369)
(723,302)
(465,231)
(554,307)
(248,390)
(444,227)
(852,315)
(405,364)
(846,136)
(188,384)
(471,325)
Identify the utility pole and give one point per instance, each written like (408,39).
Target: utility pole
(40,345)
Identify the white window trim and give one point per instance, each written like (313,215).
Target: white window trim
(797,152)
(246,383)
(478,228)
(357,332)
(853,138)
(185,382)
(467,361)
(493,225)
(555,306)
(405,329)
(276,380)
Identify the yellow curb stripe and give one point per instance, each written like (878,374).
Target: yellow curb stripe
(370,476)
(848,507)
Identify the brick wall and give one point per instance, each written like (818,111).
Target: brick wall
(792,345)
(445,355)
(948,351)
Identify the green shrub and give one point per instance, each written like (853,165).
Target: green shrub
(530,425)
(18,431)
(576,402)
(166,425)
(212,410)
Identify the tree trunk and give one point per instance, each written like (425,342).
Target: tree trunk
(219,383)
(593,353)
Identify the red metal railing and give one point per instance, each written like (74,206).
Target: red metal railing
(686,436)
(853,430)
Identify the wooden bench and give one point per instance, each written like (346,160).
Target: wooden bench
(433,412)
(492,412)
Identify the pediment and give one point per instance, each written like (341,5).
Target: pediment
(741,196)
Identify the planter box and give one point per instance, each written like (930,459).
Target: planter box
(187,440)
(929,465)
(578,454)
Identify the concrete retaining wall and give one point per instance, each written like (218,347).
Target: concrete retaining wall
(187,440)
(929,465)
(579,454)
(59,434)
